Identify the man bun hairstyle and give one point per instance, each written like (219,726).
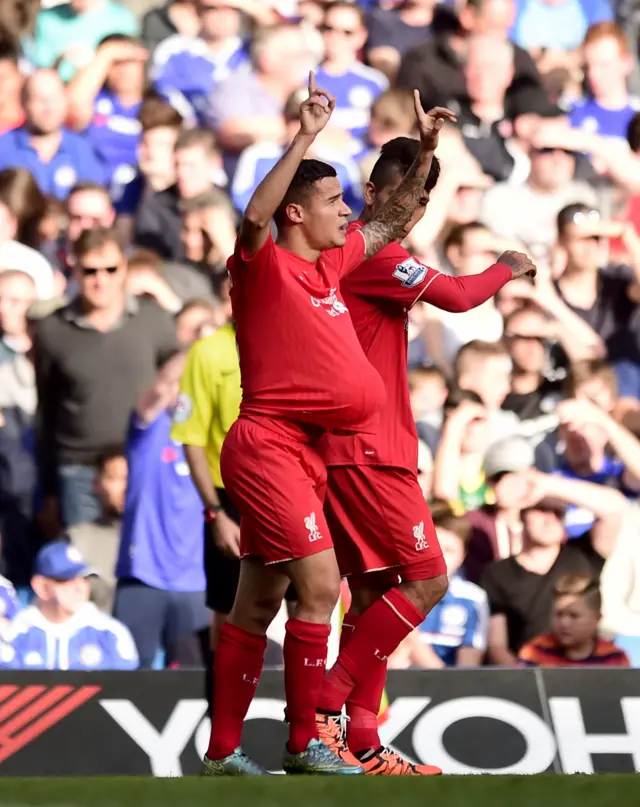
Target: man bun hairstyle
(396,158)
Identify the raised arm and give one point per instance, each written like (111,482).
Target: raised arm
(390,222)
(267,197)
(160,396)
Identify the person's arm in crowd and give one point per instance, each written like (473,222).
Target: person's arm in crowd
(625,445)
(237,133)
(219,226)
(620,576)
(256,222)
(88,81)
(160,396)
(607,504)
(421,654)
(469,657)
(498,652)
(446,466)
(391,221)
(46,417)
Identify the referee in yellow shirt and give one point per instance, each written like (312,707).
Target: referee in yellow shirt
(208,405)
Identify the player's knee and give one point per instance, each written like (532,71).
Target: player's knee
(256,615)
(317,599)
(426,594)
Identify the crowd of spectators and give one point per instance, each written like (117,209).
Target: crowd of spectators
(129,148)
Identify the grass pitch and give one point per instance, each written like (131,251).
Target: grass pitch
(600,790)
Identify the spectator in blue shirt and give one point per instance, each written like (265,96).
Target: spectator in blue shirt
(596,447)
(62,630)
(455,632)
(9,604)
(186,70)
(67,34)
(105,99)
(557,25)
(609,108)
(161,584)
(56,157)
(354,86)
(256,161)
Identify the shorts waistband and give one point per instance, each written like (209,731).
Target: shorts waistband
(294,430)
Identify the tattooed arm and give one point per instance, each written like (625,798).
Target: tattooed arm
(392,219)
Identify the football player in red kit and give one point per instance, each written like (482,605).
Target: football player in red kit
(303,373)
(384,536)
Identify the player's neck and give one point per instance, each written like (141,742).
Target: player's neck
(295,243)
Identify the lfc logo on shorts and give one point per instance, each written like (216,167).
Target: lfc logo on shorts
(418,534)
(314,532)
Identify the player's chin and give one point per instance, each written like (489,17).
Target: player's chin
(340,236)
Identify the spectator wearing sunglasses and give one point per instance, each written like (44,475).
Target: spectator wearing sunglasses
(93,357)
(527,211)
(354,85)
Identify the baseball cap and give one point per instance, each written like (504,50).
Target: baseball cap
(60,560)
(507,456)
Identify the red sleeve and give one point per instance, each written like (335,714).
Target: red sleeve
(344,260)
(464,293)
(241,260)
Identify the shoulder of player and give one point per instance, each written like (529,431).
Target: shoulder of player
(466,590)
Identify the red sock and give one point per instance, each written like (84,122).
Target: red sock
(363,705)
(305,660)
(239,658)
(379,632)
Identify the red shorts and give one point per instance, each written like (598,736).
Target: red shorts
(278,485)
(379,519)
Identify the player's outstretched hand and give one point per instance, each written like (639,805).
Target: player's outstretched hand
(226,535)
(316,110)
(520,264)
(430,123)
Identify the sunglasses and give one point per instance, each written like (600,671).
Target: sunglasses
(92,271)
(331,29)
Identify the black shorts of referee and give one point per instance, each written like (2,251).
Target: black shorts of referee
(223,572)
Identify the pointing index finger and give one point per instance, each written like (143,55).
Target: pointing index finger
(312,82)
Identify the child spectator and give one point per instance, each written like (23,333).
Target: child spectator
(573,640)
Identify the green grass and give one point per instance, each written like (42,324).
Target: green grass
(448,791)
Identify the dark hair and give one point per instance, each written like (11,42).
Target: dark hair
(96,238)
(302,186)
(458,233)
(633,132)
(568,213)
(458,396)
(396,157)
(9,51)
(133,40)
(114,452)
(20,193)
(156,112)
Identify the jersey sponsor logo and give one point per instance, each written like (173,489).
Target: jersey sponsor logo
(410,273)
(331,304)
(44,707)
(183,408)
(418,534)
(314,532)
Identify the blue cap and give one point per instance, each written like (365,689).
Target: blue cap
(61,561)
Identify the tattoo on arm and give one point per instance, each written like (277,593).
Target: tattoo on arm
(390,222)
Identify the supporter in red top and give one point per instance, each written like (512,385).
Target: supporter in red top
(303,372)
(574,641)
(375,508)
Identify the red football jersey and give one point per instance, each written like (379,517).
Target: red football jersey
(379,294)
(300,358)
